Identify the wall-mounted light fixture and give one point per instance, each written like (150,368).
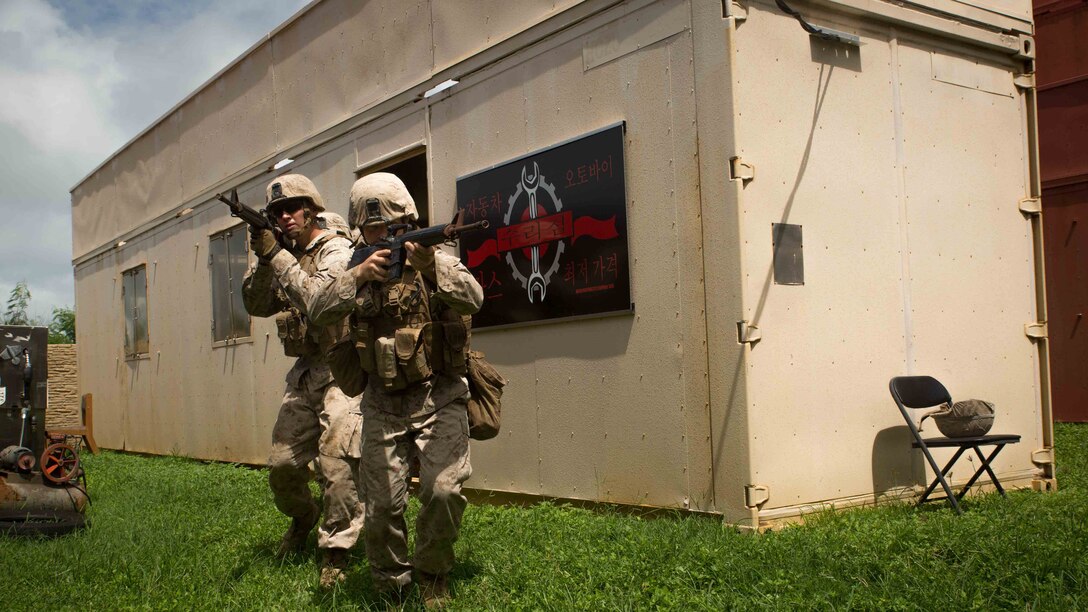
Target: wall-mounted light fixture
(437,89)
(283,162)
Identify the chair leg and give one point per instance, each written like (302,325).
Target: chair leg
(952,499)
(985,467)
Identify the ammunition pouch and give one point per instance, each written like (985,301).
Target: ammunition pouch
(411,354)
(454,347)
(343,361)
(292,328)
(397,339)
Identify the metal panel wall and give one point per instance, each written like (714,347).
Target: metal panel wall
(335,60)
(461,29)
(916,257)
(971,282)
(188,397)
(1062,80)
(229,124)
(141,182)
(98,306)
(663,406)
(815,119)
(613,409)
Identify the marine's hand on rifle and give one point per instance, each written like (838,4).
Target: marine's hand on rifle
(373,269)
(421,257)
(264,243)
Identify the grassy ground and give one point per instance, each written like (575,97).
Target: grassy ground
(169,533)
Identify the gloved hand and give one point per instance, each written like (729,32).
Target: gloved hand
(421,258)
(373,269)
(264,243)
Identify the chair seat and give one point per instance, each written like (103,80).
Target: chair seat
(943,442)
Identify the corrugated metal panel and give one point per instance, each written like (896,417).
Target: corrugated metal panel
(1062,78)
(1066,225)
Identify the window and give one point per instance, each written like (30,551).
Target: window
(228,259)
(412,169)
(134,298)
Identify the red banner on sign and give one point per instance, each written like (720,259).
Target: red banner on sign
(595,228)
(534,232)
(480,255)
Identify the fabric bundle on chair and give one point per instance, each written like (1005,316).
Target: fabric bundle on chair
(964,419)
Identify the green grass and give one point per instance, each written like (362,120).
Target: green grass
(169,533)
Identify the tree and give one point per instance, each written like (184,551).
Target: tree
(18,302)
(63,328)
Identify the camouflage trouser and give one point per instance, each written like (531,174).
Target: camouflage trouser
(320,423)
(440,441)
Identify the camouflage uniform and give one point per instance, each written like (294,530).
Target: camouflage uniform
(316,419)
(427,419)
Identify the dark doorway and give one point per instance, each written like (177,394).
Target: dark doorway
(412,169)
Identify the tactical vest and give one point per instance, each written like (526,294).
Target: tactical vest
(404,335)
(300,338)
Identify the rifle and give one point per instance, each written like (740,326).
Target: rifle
(255,218)
(426,237)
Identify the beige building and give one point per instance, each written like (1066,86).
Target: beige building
(900,167)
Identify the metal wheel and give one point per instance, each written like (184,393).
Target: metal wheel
(60,463)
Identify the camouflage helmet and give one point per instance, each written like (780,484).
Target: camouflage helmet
(291,186)
(393,202)
(335,223)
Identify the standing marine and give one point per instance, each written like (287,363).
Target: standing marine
(411,335)
(316,419)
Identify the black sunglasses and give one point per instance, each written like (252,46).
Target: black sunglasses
(289,206)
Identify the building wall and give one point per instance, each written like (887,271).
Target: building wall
(904,161)
(1062,80)
(64,399)
(663,406)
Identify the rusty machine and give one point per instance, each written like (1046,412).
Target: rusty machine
(42,486)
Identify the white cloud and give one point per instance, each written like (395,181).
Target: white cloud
(57,82)
(79,80)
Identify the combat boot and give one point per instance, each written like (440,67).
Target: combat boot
(334,565)
(434,591)
(294,541)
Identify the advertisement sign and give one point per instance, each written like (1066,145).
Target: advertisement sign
(557,242)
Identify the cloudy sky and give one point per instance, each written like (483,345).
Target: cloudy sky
(80,78)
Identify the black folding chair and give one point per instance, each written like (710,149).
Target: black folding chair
(926,392)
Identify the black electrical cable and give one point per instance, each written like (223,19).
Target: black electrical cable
(806,26)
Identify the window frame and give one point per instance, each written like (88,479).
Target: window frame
(132,351)
(232,338)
